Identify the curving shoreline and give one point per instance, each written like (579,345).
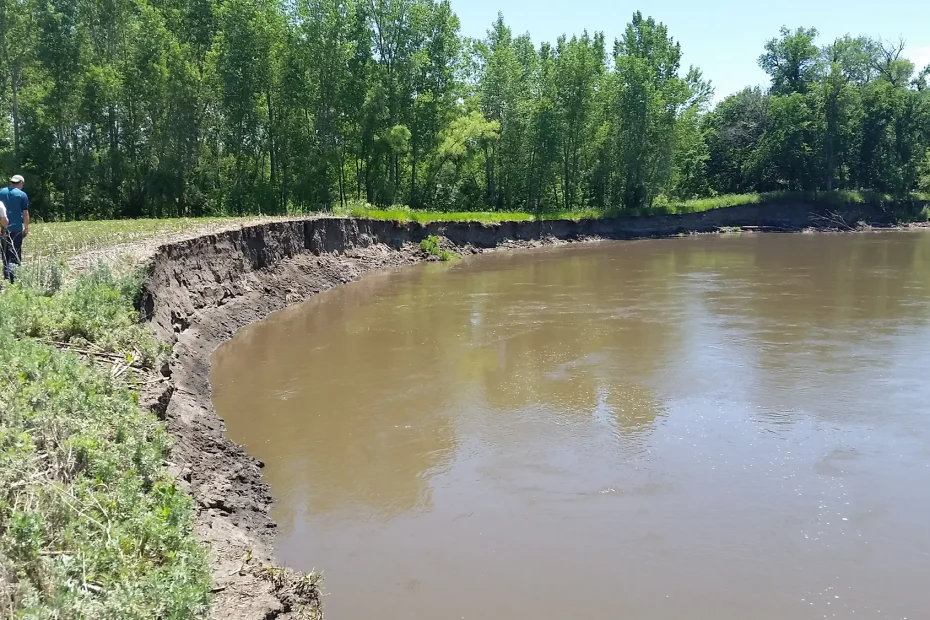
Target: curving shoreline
(199,292)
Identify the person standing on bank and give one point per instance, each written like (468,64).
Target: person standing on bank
(17,214)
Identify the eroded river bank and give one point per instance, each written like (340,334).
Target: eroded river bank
(718,427)
(199,292)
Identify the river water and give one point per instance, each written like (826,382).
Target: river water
(713,428)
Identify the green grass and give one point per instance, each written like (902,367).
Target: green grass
(662,206)
(406,214)
(67,238)
(835,198)
(91,523)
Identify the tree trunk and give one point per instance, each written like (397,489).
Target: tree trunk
(342,180)
(488,174)
(414,201)
(830,145)
(14,79)
(271,145)
(369,186)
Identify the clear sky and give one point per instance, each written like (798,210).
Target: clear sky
(723,38)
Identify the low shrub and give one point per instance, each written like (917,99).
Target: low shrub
(97,307)
(91,524)
(431,247)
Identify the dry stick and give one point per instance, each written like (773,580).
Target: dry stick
(78,510)
(833,218)
(99,352)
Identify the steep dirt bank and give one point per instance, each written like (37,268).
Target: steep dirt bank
(199,292)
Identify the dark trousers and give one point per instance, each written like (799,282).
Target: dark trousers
(12,252)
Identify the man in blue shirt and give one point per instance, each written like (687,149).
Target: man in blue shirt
(17,229)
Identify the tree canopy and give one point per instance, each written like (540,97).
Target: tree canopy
(127,108)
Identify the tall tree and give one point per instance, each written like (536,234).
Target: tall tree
(17,47)
(579,68)
(791,60)
(650,94)
(58,49)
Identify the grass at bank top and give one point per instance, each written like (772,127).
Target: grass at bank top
(661,207)
(65,239)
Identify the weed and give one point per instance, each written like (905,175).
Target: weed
(44,275)
(97,307)
(431,247)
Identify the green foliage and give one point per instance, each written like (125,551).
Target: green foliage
(91,525)
(649,95)
(432,247)
(44,275)
(97,308)
(841,117)
(923,181)
(791,60)
(164,108)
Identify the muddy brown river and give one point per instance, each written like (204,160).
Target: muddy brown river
(716,428)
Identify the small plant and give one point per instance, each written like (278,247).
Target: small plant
(44,275)
(431,247)
(302,588)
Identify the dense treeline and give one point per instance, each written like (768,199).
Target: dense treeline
(188,107)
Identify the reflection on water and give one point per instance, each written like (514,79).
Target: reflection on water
(703,428)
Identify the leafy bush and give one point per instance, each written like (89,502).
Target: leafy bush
(431,247)
(97,307)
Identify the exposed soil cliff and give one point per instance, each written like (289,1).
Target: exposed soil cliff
(199,292)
